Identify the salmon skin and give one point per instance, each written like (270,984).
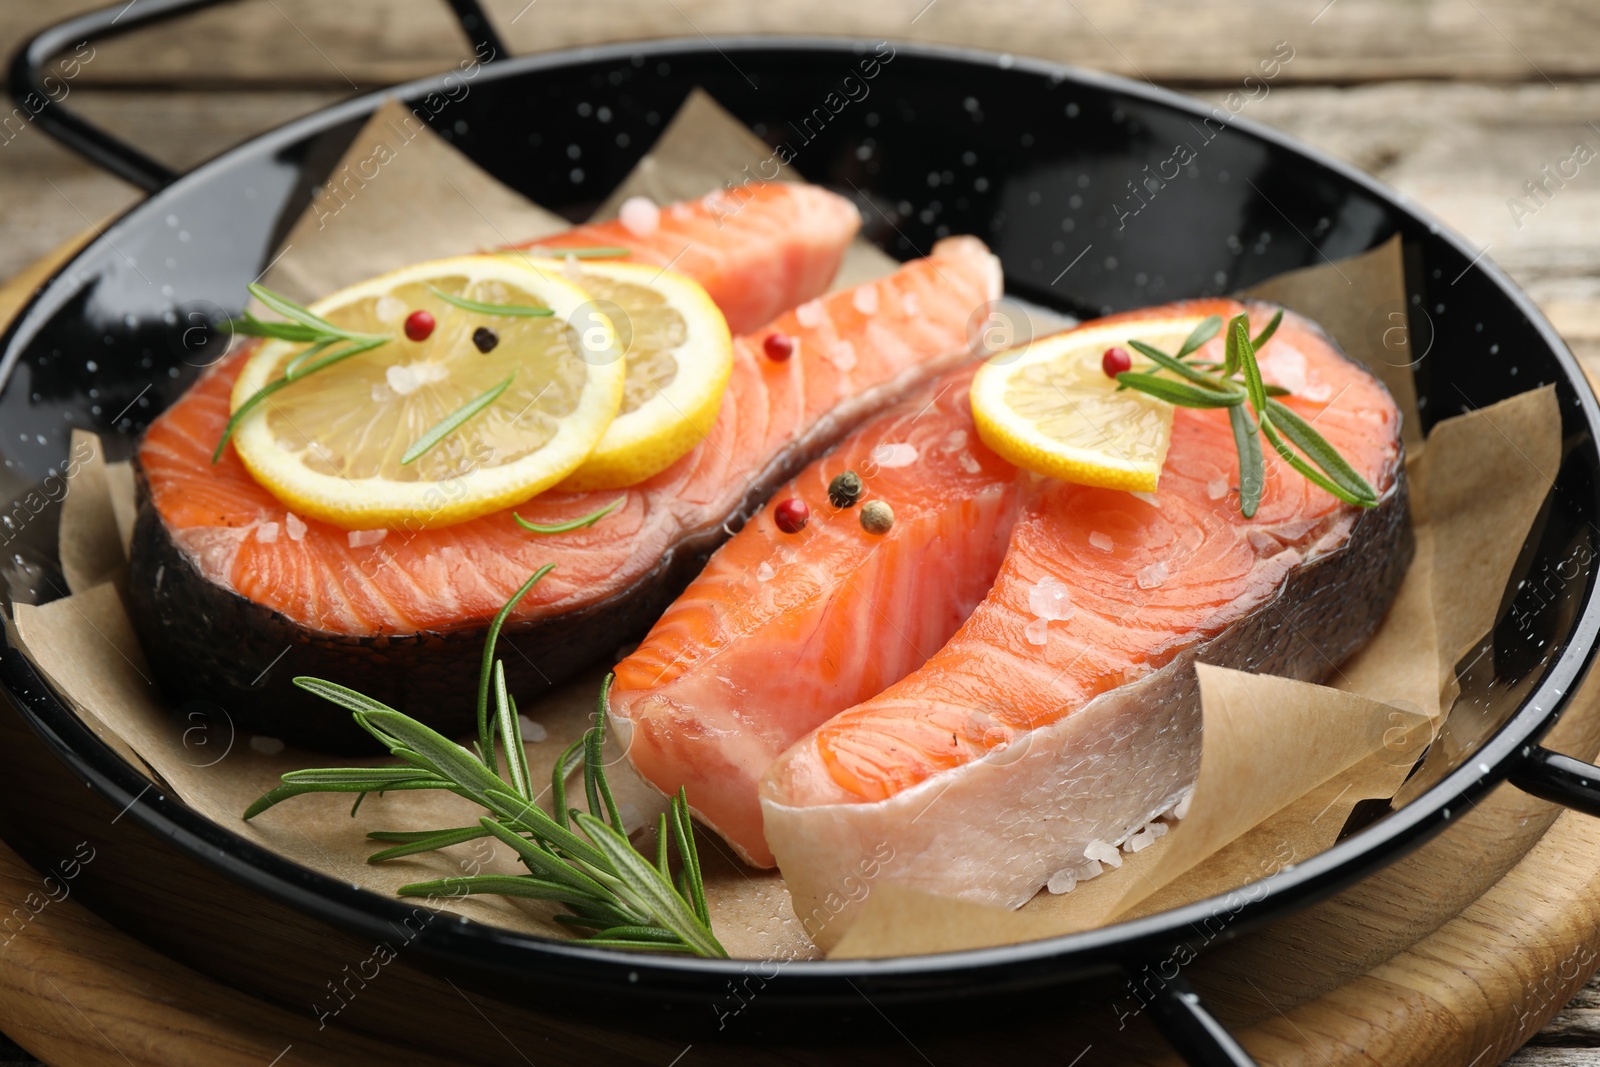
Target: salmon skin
(404,620)
(758,250)
(1064,714)
(767,643)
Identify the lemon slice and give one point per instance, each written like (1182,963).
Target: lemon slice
(335,443)
(679,358)
(1049,406)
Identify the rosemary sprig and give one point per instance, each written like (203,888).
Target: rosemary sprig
(572,524)
(582,860)
(303,327)
(1253,410)
(452,422)
(516,311)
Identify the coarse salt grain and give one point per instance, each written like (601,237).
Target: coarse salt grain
(843,355)
(1101,541)
(267,533)
(1217,488)
(891,456)
(294,527)
(390,308)
(1104,852)
(639,216)
(1062,882)
(970,464)
(1037,632)
(532,731)
(810,314)
(571,269)
(407,378)
(765,572)
(1180,810)
(1152,576)
(365,538)
(955,440)
(910,305)
(269,746)
(865,299)
(1050,600)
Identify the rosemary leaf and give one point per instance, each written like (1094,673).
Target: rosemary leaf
(1252,371)
(451,422)
(641,933)
(486,669)
(295,312)
(594,761)
(1320,452)
(1252,466)
(426,841)
(548,865)
(1230,359)
(437,750)
(1179,393)
(662,864)
(683,833)
(1310,473)
(1267,331)
(255,398)
(335,693)
(515,311)
(292,371)
(250,326)
(291,789)
(653,892)
(571,757)
(531,817)
(572,524)
(511,734)
(1205,331)
(1177,367)
(508,885)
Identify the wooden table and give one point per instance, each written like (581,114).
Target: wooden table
(1456,103)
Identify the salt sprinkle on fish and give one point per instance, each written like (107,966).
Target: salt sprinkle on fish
(891,456)
(1152,576)
(1050,600)
(639,216)
(809,314)
(970,463)
(1037,632)
(843,356)
(910,305)
(865,299)
(267,533)
(1101,541)
(1062,882)
(1217,488)
(365,538)
(765,572)
(295,528)
(955,440)
(1106,853)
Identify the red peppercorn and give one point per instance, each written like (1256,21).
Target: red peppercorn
(419,325)
(778,347)
(791,515)
(1115,362)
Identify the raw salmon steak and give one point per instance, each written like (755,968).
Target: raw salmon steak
(771,640)
(758,250)
(1064,714)
(404,619)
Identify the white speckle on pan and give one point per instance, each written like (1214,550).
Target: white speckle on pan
(1062,882)
(893,455)
(532,731)
(639,216)
(1103,852)
(269,746)
(1180,810)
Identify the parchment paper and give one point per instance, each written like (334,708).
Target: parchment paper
(1243,824)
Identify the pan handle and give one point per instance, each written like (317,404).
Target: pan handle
(30,89)
(1191,1029)
(1552,776)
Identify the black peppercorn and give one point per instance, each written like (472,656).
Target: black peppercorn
(844,490)
(485,339)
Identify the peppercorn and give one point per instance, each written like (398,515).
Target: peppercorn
(419,325)
(844,490)
(1116,361)
(485,339)
(876,517)
(778,347)
(791,515)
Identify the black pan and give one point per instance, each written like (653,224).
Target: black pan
(1035,158)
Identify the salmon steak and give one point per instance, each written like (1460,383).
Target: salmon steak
(1064,714)
(757,250)
(217,556)
(782,631)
